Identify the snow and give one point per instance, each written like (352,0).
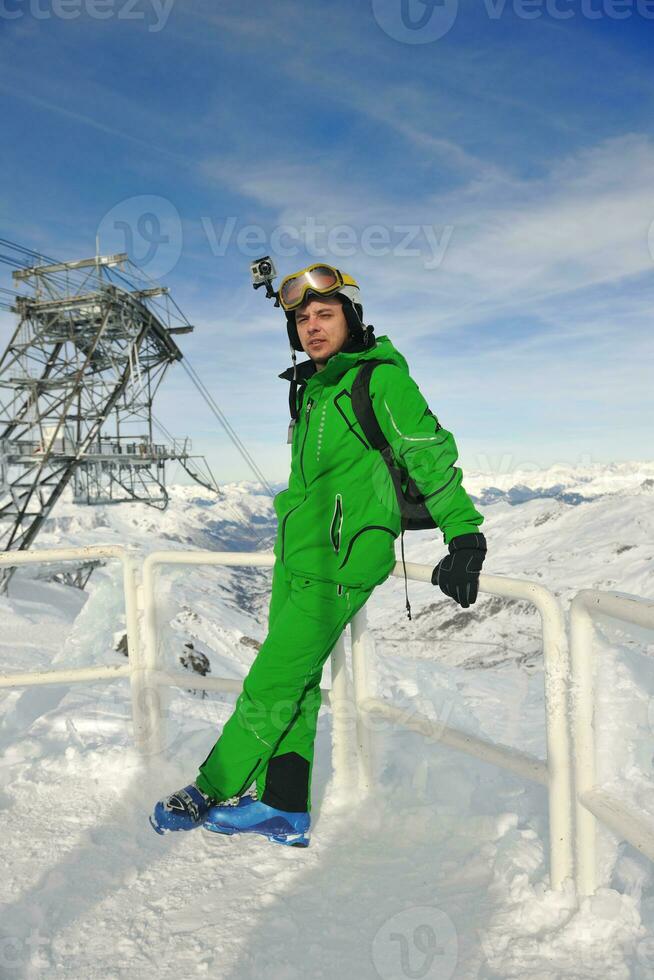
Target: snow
(443,872)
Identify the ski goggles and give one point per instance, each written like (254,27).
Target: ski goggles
(320,279)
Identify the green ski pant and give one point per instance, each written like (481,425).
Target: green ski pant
(276,714)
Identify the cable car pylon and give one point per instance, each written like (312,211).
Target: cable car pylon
(77,383)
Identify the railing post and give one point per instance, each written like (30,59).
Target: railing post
(150,692)
(582,699)
(134,653)
(362,654)
(556,663)
(591,802)
(557,675)
(342,762)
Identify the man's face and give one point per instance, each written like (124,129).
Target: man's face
(322,328)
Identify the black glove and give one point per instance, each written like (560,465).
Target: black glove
(458,573)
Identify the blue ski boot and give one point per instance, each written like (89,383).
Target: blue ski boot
(249,816)
(183,810)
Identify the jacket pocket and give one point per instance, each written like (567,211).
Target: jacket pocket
(336,524)
(376,544)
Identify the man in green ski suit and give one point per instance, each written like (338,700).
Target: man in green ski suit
(337,524)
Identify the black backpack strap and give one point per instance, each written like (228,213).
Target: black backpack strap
(292,400)
(295,398)
(415,514)
(362,405)
(300,396)
(408,499)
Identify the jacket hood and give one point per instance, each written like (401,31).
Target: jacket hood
(339,363)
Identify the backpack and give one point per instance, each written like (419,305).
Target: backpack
(414,513)
(415,516)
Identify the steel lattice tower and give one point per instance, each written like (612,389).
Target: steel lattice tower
(77,382)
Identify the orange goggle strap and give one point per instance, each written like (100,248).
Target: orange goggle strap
(320,279)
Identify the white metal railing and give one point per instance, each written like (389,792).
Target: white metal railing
(133,669)
(591,802)
(556,773)
(148,677)
(156,676)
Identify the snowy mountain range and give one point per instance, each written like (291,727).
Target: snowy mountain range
(446,841)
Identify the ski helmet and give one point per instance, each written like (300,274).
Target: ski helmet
(325,280)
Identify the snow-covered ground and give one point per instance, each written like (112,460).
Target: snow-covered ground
(443,873)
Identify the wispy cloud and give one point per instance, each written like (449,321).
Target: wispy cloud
(492,144)
(515,244)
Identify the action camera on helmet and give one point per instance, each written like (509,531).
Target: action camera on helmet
(263,271)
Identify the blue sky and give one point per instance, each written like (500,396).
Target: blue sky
(491,189)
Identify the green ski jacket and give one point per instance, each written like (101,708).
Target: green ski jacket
(339,517)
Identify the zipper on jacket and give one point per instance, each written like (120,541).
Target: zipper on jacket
(307,413)
(336,524)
